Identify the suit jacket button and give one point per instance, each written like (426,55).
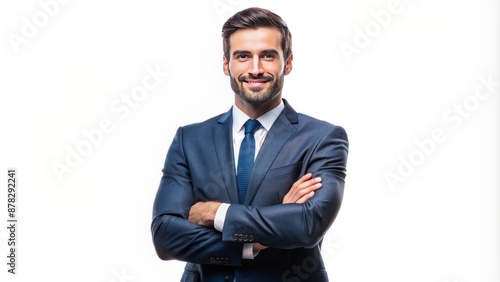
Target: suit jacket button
(212,260)
(245,238)
(250,238)
(235,237)
(240,237)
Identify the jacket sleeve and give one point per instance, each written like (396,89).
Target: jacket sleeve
(174,237)
(297,225)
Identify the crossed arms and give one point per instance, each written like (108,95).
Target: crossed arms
(182,229)
(203,213)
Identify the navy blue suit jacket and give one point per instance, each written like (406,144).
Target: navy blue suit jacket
(200,167)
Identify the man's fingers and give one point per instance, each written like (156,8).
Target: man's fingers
(310,183)
(305,198)
(306,177)
(304,182)
(304,192)
(301,181)
(302,188)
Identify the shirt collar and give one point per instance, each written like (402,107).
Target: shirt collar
(266,120)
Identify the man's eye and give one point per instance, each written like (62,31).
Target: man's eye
(242,56)
(268,56)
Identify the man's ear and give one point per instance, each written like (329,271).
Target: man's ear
(225,65)
(288,65)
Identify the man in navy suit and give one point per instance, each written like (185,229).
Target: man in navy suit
(248,195)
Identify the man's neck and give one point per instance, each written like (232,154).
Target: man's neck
(253,111)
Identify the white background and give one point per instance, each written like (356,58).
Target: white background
(439,222)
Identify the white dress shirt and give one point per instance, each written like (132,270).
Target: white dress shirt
(239,119)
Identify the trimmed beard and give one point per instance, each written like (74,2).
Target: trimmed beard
(254,98)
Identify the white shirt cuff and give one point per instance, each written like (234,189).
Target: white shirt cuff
(248,251)
(220,216)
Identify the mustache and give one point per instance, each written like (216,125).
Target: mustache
(263,78)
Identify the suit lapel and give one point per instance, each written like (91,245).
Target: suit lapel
(276,138)
(223,141)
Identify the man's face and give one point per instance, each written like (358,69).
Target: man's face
(256,65)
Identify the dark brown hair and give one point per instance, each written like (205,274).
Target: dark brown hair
(255,18)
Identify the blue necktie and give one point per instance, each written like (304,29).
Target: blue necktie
(246,157)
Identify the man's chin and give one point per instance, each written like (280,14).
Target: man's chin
(255,90)
(256,99)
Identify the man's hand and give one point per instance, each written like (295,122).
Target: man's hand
(257,247)
(203,213)
(302,190)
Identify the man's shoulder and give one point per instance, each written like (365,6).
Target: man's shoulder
(318,124)
(207,124)
(306,121)
(320,128)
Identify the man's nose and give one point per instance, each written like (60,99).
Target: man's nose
(256,66)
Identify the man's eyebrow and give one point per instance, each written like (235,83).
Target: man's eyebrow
(240,52)
(244,52)
(270,51)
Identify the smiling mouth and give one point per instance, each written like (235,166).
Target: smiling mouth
(255,83)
